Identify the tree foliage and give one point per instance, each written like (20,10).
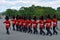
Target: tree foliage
(33,10)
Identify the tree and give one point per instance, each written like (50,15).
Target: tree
(33,10)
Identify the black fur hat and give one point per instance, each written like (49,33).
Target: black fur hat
(7,18)
(13,17)
(17,16)
(25,18)
(41,17)
(34,18)
(54,16)
(48,16)
(29,18)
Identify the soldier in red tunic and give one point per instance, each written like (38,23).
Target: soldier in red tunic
(54,24)
(13,22)
(24,25)
(20,23)
(7,22)
(17,23)
(29,25)
(41,25)
(48,25)
(34,24)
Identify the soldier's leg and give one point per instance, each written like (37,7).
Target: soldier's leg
(30,30)
(54,30)
(34,30)
(13,27)
(50,32)
(25,29)
(7,30)
(20,28)
(43,32)
(47,31)
(40,31)
(16,28)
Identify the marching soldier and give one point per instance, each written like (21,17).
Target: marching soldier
(34,23)
(7,22)
(29,25)
(48,25)
(41,25)
(13,22)
(54,24)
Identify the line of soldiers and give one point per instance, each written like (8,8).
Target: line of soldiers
(24,24)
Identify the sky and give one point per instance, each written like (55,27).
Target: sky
(17,4)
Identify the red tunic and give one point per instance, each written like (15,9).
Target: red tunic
(54,22)
(17,23)
(20,22)
(29,23)
(13,21)
(7,22)
(41,23)
(24,23)
(34,23)
(48,23)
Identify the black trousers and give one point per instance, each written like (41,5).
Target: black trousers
(29,30)
(17,28)
(41,31)
(7,30)
(25,29)
(35,30)
(13,27)
(20,28)
(54,30)
(48,31)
